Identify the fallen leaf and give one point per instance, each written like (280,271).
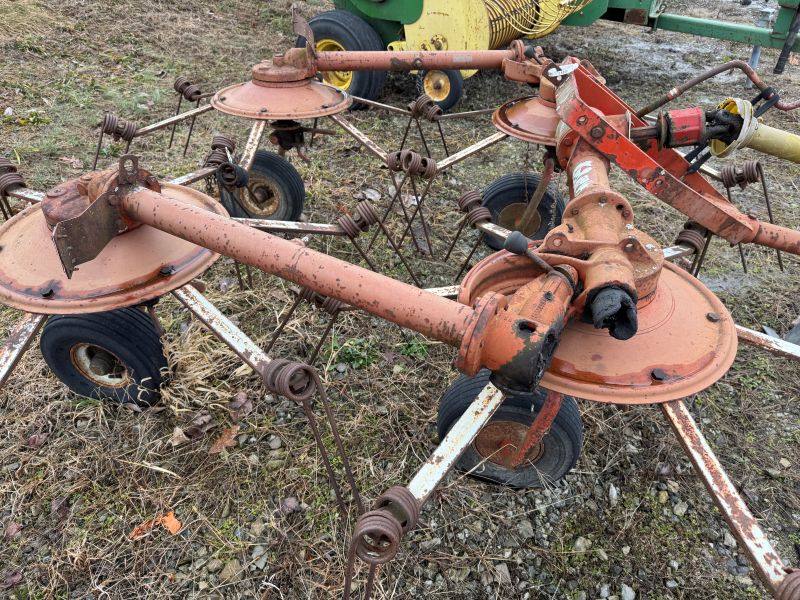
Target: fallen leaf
(171,523)
(12,529)
(794,60)
(178,437)
(59,507)
(37,440)
(225,440)
(199,425)
(75,163)
(11,580)
(240,406)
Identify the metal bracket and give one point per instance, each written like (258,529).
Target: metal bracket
(82,238)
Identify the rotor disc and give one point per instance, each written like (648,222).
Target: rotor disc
(134,267)
(531,119)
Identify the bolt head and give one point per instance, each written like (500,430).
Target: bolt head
(557,242)
(596,132)
(47,292)
(575,211)
(582,120)
(713,317)
(659,374)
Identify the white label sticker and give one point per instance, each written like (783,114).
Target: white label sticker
(580,177)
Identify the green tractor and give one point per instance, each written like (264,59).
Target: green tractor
(488,24)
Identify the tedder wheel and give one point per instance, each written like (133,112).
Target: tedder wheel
(444,87)
(546,463)
(506,199)
(116,355)
(338,30)
(274,191)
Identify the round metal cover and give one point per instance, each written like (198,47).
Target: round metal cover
(686,342)
(529,119)
(136,266)
(306,99)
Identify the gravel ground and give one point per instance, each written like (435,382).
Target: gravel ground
(630,521)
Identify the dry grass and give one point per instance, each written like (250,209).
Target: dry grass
(102,471)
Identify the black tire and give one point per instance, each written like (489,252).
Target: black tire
(351,32)
(121,339)
(450,95)
(511,189)
(561,446)
(275,190)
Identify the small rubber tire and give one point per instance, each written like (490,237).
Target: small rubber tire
(350,32)
(282,185)
(454,90)
(128,335)
(510,189)
(562,444)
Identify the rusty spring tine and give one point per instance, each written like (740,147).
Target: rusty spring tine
(398,253)
(739,245)
(462,224)
(698,261)
(441,135)
(469,258)
(418,209)
(760,171)
(97,151)
(744,526)
(364,255)
(191,129)
(249,276)
(175,125)
(406,132)
(313,133)
(397,191)
(3,204)
(236,265)
(323,337)
(19,340)
(283,323)
(422,137)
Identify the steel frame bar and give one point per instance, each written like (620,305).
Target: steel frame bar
(159,125)
(382,106)
(470,150)
(253,141)
(222,327)
(361,137)
(293,227)
(18,341)
(766,342)
(460,436)
(741,521)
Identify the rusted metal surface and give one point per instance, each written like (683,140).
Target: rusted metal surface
(135,267)
(193,177)
(387,107)
(744,526)
(18,341)
(222,327)
(455,443)
(413,60)
(361,137)
(766,342)
(533,120)
(293,227)
(279,90)
(389,299)
(536,432)
(661,171)
(159,125)
(251,147)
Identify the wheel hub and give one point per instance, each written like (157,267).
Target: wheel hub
(99,366)
(261,199)
(511,215)
(436,85)
(499,440)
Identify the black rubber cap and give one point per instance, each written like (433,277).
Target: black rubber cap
(614,309)
(516,243)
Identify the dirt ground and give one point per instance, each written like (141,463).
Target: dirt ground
(258,520)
